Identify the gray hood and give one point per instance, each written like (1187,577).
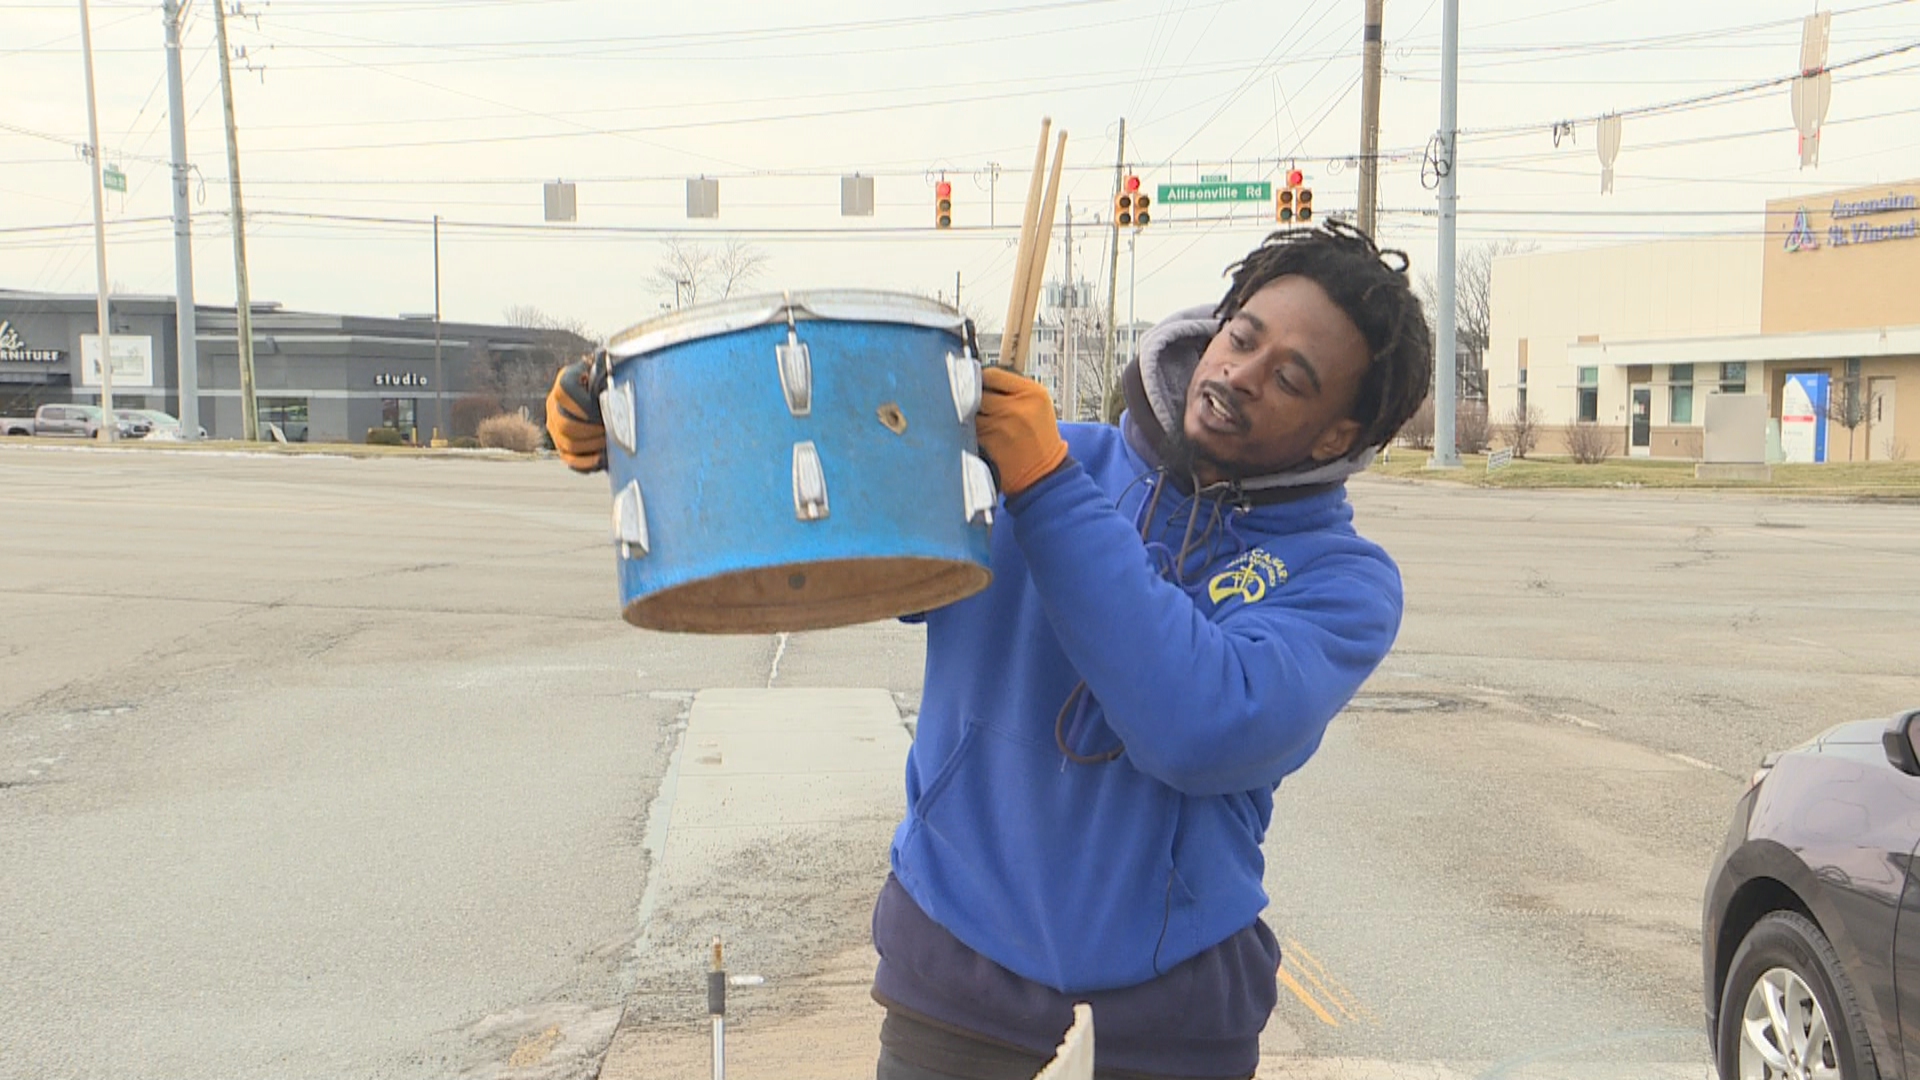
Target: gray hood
(1169,353)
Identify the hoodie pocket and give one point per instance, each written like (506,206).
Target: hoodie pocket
(936,788)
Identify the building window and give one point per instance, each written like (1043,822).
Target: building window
(1680,394)
(1589,410)
(289,414)
(1733,378)
(1520,397)
(398,413)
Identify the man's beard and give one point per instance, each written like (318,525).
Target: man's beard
(1185,458)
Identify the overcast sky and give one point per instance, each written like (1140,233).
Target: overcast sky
(400,109)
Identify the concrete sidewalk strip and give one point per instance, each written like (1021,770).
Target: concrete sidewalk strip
(754,760)
(779,769)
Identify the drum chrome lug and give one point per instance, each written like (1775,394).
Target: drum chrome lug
(618,412)
(963,377)
(809,483)
(976,485)
(796,374)
(630,522)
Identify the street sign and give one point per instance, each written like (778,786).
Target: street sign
(1249,191)
(114,180)
(1214,178)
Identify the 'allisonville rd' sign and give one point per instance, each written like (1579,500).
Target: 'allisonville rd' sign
(1249,191)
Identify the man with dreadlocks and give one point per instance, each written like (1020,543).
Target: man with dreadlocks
(1180,606)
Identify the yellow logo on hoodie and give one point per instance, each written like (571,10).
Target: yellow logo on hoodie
(1248,577)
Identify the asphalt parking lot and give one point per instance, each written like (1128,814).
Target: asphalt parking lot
(347,767)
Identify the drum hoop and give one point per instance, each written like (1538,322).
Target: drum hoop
(726,316)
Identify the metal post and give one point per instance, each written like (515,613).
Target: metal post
(242,291)
(717,1011)
(1113,274)
(1133,280)
(185,317)
(1370,119)
(1069,374)
(107,427)
(439,400)
(1446,454)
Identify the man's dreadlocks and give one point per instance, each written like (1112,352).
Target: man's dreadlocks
(1370,285)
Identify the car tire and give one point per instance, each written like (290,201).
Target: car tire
(1789,951)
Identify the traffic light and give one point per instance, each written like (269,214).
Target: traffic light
(1130,205)
(1294,204)
(943,205)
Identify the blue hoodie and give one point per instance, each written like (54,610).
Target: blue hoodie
(1205,685)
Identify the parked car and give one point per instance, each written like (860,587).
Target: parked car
(163,425)
(1811,934)
(76,421)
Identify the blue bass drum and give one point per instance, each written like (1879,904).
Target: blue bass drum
(796,462)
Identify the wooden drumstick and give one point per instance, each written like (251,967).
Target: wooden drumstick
(1015,335)
(1043,244)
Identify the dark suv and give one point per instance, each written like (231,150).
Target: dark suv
(1811,933)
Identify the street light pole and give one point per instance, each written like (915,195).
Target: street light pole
(439,413)
(185,317)
(107,429)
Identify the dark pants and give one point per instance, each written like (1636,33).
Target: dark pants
(911,1049)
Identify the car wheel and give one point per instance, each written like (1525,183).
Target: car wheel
(1789,1011)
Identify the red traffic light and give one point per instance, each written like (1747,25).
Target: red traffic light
(1133,184)
(1295,178)
(943,189)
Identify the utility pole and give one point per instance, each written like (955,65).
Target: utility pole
(1446,454)
(956,290)
(1069,375)
(243,293)
(1370,119)
(107,426)
(185,316)
(439,399)
(1113,273)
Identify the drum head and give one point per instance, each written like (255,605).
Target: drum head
(739,313)
(809,596)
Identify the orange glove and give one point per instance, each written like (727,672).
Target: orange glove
(1017,430)
(573,418)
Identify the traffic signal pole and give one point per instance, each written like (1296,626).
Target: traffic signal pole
(1446,453)
(1113,275)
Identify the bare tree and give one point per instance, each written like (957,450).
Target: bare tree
(1473,292)
(1472,431)
(520,377)
(1417,432)
(1588,443)
(691,272)
(1523,429)
(1849,403)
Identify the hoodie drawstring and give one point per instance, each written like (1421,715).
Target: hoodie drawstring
(1222,509)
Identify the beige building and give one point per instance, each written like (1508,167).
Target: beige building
(1635,337)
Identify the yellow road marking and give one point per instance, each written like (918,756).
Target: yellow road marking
(1331,997)
(1287,980)
(1338,991)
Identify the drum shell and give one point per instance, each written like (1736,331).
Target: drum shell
(714,462)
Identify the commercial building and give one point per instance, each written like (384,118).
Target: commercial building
(1820,313)
(317,377)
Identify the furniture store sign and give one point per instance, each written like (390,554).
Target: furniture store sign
(14,350)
